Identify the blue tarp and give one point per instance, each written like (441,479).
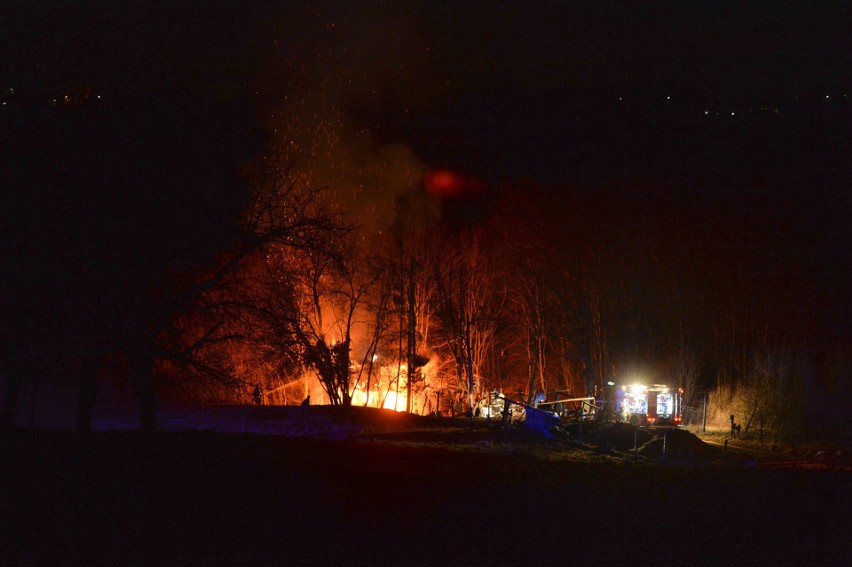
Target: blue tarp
(539,421)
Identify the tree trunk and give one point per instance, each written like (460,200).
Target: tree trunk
(470,378)
(88,394)
(347,395)
(343,364)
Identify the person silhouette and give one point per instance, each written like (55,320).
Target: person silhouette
(258,399)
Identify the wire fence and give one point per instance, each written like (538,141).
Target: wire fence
(693,416)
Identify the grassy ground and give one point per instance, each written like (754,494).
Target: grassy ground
(782,450)
(411,494)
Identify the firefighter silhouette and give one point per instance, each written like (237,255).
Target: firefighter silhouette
(258,399)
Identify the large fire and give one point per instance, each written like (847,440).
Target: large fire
(379,396)
(386,387)
(395,401)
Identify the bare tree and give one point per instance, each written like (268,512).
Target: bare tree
(469,299)
(685,367)
(378,309)
(284,211)
(331,292)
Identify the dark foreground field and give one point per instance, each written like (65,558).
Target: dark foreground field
(409,495)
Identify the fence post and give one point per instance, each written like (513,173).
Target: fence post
(704,418)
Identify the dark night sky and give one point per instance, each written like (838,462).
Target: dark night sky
(556,92)
(562,92)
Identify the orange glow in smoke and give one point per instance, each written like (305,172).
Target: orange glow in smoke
(443,183)
(448,184)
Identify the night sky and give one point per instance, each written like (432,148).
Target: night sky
(560,94)
(554,91)
(714,102)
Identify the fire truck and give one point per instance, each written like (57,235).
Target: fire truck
(655,405)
